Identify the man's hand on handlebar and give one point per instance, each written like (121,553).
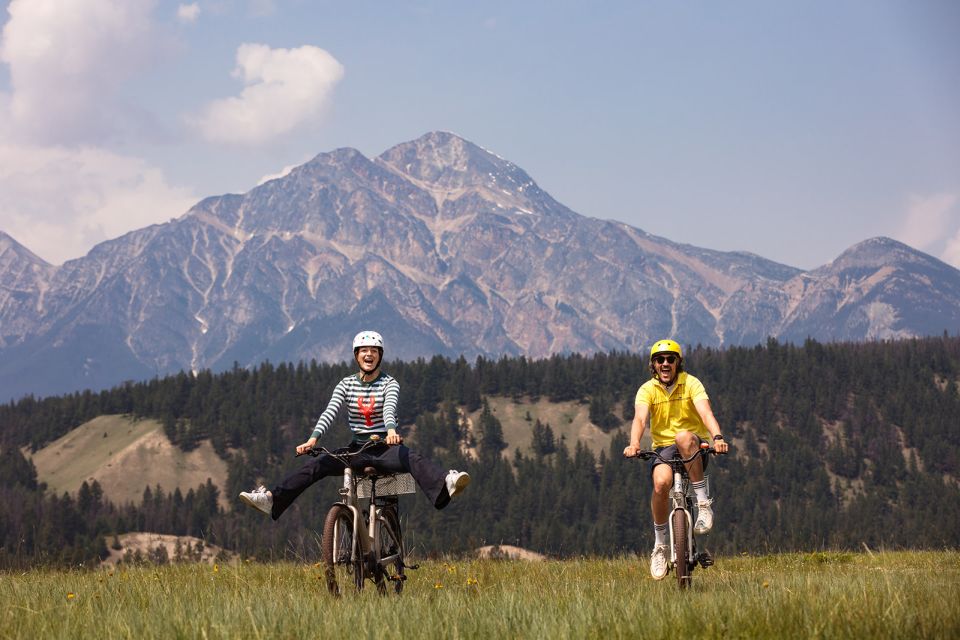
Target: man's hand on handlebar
(631,451)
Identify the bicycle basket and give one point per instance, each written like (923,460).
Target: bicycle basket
(391,485)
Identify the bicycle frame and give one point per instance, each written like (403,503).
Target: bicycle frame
(682,505)
(681,502)
(369,524)
(367,538)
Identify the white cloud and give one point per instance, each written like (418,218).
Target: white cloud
(188,12)
(67,59)
(951,254)
(284,89)
(280,174)
(60,202)
(927,218)
(932,225)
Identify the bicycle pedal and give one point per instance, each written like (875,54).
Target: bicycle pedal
(397,578)
(705,559)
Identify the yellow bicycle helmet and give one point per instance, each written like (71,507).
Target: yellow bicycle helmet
(665,346)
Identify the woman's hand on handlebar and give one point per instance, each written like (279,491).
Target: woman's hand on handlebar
(306,446)
(393,437)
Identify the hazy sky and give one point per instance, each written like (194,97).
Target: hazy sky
(792,130)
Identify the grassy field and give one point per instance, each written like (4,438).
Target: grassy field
(820,595)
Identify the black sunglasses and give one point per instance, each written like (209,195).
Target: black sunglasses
(668,359)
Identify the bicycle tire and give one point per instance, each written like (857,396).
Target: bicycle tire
(391,543)
(336,548)
(680,548)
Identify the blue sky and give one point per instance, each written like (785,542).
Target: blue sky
(792,130)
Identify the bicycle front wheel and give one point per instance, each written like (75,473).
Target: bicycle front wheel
(391,551)
(336,550)
(681,548)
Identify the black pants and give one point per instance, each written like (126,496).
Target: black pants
(430,477)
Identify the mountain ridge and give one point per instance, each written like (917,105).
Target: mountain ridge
(447,249)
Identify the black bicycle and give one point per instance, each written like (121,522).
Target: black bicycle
(684,556)
(361,542)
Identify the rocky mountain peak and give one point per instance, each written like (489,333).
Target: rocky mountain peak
(447,161)
(11,250)
(875,253)
(444,247)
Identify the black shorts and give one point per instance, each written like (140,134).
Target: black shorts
(669,451)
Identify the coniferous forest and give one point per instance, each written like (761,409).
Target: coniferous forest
(834,446)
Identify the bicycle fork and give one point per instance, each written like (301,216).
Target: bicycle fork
(679,498)
(361,536)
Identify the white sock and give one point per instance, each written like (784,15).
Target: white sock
(660,533)
(700,488)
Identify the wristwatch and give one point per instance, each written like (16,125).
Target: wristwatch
(719,436)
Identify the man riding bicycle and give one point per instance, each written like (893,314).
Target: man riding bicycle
(678,408)
(371,398)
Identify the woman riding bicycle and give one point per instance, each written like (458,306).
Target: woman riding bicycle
(371,397)
(681,419)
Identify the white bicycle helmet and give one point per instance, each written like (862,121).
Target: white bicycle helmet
(368,339)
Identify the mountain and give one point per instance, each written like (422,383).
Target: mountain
(23,279)
(878,288)
(444,247)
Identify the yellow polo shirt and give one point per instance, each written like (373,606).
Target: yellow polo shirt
(673,413)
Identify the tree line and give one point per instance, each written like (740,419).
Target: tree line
(834,446)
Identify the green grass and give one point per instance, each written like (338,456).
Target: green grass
(821,595)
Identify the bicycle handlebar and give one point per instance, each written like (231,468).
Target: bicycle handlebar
(647,455)
(372,442)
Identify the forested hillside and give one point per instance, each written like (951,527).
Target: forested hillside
(834,445)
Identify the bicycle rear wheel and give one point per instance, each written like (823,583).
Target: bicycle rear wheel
(681,548)
(336,549)
(391,545)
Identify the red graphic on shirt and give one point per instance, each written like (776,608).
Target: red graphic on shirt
(366,406)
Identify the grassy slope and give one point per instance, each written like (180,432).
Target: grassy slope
(146,542)
(124,456)
(879,595)
(568,419)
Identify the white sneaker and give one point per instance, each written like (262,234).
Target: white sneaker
(658,562)
(457,481)
(704,518)
(260,499)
